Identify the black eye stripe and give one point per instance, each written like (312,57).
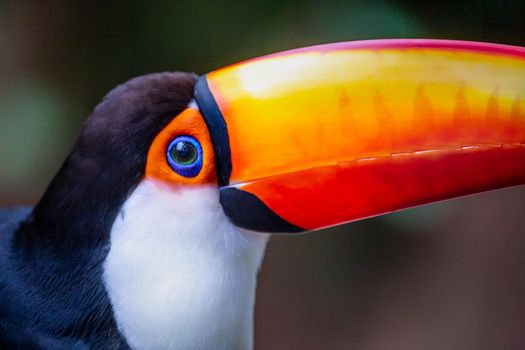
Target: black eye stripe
(217,128)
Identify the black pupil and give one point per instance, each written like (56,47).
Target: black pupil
(184,153)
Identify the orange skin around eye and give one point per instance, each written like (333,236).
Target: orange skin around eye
(190,123)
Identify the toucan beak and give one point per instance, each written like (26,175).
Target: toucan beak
(325,135)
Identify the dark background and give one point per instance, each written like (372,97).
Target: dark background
(445,276)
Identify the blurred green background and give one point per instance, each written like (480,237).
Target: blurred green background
(445,276)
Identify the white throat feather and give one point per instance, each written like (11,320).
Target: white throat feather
(179,274)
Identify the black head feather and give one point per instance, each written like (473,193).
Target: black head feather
(108,160)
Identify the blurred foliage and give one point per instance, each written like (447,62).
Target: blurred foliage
(35,130)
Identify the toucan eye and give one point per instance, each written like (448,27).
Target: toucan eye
(184,156)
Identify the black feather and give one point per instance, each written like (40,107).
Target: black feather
(51,289)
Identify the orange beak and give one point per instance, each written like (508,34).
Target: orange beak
(326,135)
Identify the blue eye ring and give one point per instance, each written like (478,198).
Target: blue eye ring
(184,156)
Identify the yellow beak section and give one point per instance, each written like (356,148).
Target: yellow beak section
(335,133)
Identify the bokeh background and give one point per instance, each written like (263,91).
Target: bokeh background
(445,276)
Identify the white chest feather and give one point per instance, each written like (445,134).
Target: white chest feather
(179,275)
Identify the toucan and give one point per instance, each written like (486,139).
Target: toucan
(151,234)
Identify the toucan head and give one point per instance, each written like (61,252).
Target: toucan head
(320,136)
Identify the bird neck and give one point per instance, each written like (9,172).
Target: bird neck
(179,275)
